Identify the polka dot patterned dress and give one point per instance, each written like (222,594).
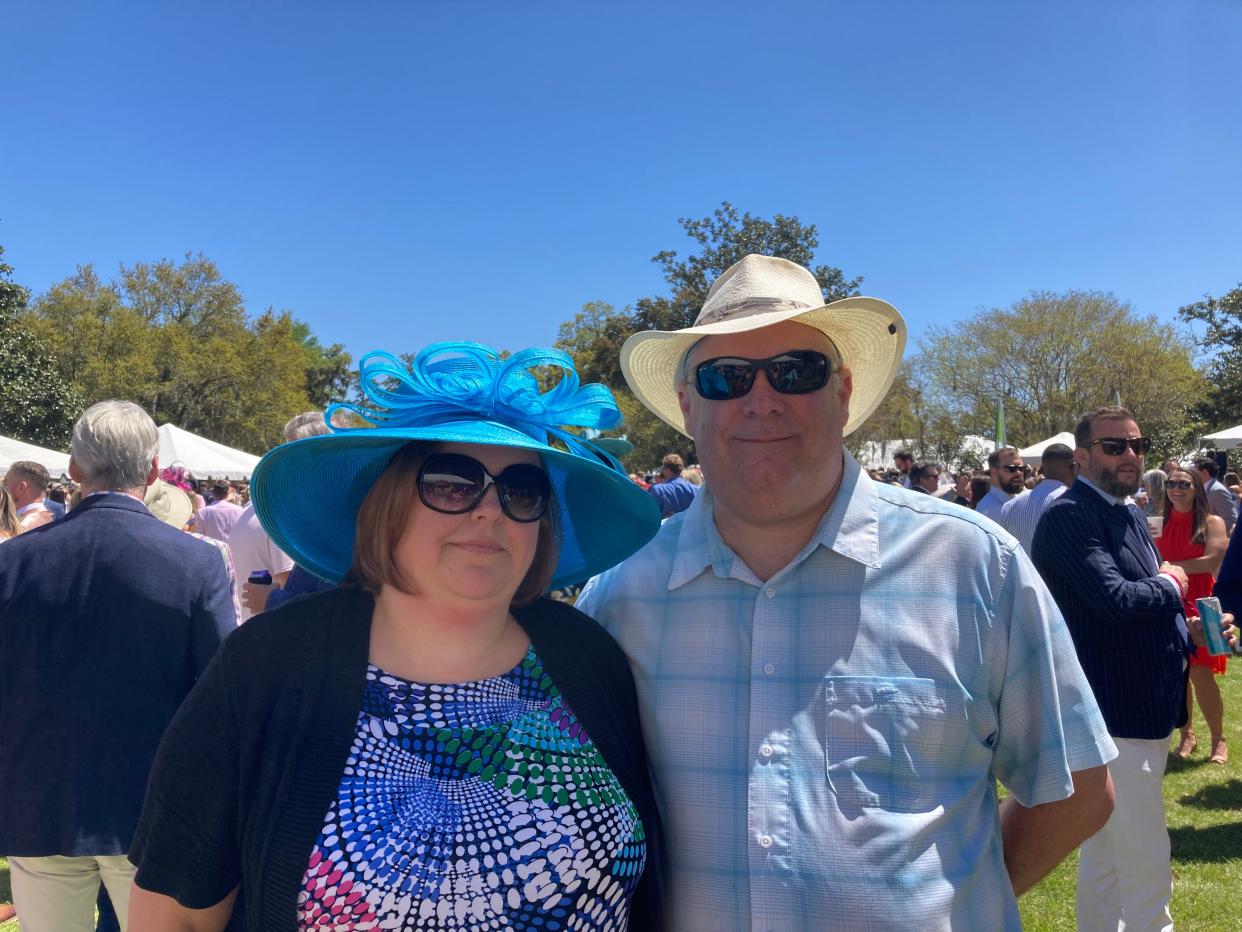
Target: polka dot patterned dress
(480,805)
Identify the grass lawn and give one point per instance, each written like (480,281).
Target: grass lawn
(1205,823)
(1204,807)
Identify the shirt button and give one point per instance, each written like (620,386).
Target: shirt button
(765,841)
(770,592)
(765,750)
(769,668)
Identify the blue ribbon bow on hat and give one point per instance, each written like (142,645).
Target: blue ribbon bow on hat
(469,381)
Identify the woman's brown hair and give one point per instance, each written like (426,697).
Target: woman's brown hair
(1198,527)
(385,512)
(10,524)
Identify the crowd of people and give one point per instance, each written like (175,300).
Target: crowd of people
(774,705)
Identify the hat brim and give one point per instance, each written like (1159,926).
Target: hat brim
(307,494)
(869,333)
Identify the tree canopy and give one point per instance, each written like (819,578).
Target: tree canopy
(1221,342)
(37,405)
(176,338)
(1051,357)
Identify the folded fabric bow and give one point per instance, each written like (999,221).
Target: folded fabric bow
(469,381)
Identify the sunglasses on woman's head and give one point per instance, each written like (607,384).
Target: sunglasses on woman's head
(1182,484)
(453,484)
(796,372)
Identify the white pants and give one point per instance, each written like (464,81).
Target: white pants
(1124,878)
(57,894)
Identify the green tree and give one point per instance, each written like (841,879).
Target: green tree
(176,339)
(1053,356)
(36,404)
(329,373)
(594,337)
(1221,343)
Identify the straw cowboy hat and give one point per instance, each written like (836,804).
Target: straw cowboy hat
(760,291)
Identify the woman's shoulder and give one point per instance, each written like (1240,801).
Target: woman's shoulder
(306,621)
(558,624)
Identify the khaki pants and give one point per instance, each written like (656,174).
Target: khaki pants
(57,894)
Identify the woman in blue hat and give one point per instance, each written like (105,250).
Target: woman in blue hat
(432,745)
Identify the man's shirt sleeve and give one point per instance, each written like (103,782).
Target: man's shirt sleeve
(1049,725)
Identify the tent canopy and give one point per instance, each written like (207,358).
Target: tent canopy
(1035,454)
(1229,439)
(13,451)
(202,457)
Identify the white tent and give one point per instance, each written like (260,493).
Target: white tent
(1229,439)
(12,451)
(1035,455)
(202,457)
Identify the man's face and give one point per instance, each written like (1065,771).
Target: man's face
(930,480)
(1007,476)
(1205,476)
(903,465)
(19,488)
(1119,475)
(770,456)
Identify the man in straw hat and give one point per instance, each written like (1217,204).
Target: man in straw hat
(827,700)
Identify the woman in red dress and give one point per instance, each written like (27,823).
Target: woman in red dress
(1195,539)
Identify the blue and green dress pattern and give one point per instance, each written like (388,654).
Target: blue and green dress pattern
(480,805)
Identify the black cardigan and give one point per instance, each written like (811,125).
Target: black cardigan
(250,764)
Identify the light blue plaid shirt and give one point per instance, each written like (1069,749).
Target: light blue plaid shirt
(825,743)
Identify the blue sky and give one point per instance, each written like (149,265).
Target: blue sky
(400,173)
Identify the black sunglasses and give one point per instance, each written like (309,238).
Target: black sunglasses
(1115,446)
(453,484)
(795,372)
(1011,467)
(1182,484)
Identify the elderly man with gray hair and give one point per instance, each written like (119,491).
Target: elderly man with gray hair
(93,666)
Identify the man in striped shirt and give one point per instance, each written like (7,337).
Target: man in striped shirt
(1020,515)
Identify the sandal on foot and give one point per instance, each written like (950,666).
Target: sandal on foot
(1187,746)
(1220,753)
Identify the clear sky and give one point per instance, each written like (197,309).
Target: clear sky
(400,173)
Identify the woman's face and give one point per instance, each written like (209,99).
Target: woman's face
(1182,499)
(479,555)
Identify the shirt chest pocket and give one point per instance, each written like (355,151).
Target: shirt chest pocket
(882,740)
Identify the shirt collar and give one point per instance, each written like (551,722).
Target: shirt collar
(1111,499)
(36,505)
(850,527)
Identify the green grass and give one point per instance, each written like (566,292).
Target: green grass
(1204,805)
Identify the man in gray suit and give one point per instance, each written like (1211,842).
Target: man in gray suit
(1220,499)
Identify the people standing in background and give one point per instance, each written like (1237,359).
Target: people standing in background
(218,518)
(1194,539)
(1020,515)
(26,482)
(1124,610)
(1005,472)
(673,493)
(96,661)
(1221,501)
(903,459)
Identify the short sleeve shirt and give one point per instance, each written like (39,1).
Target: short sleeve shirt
(825,743)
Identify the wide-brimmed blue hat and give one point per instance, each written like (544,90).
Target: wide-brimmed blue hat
(307,493)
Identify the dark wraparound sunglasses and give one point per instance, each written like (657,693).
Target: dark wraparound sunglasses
(453,484)
(795,372)
(1182,484)
(1115,446)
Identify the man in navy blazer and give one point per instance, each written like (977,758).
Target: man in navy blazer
(107,618)
(1123,607)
